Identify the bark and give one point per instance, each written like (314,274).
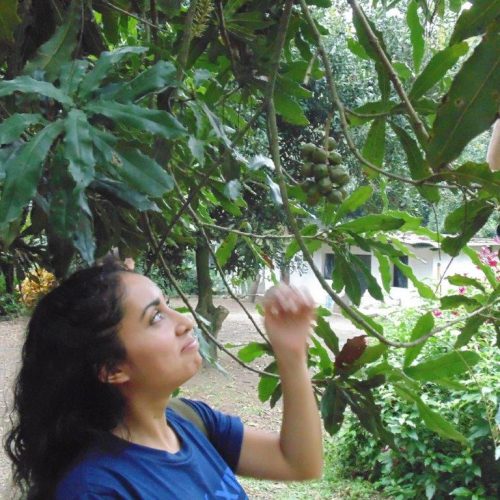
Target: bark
(8,273)
(205,307)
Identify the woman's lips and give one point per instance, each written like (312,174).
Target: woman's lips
(192,343)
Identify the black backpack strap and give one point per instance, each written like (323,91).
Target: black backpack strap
(188,412)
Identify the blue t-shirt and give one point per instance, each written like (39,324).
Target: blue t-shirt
(202,469)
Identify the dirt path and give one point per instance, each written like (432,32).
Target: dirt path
(233,392)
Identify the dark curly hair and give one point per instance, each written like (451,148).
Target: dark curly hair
(60,405)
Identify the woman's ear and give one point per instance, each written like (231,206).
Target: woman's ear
(112,375)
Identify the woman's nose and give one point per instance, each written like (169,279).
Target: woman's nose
(184,324)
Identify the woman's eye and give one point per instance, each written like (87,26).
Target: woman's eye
(157,317)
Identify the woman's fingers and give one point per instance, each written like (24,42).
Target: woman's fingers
(287,299)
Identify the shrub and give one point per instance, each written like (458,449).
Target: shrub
(423,464)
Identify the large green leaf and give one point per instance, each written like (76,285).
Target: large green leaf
(141,172)
(436,68)
(435,422)
(83,239)
(154,79)
(325,332)
(470,106)
(333,404)
(267,384)
(373,287)
(474,21)
(114,189)
(454,301)
(447,365)
(23,172)
(349,279)
(355,200)
(59,48)
(370,223)
(28,85)
(374,148)
(290,109)
(8,20)
(252,351)
(103,67)
(12,128)
(459,280)
(424,290)
(487,270)
(226,249)
(462,216)
(418,168)
(470,329)
(150,120)
(78,148)
(416,33)
(423,326)
(453,244)
(384,266)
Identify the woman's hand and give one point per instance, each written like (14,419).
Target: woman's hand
(289,313)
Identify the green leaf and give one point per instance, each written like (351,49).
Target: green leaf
(12,127)
(59,48)
(8,20)
(290,109)
(471,105)
(293,247)
(23,172)
(355,200)
(116,189)
(267,384)
(418,168)
(478,173)
(457,220)
(130,115)
(197,149)
(423,326)
(357,49)
(459,280)
(252,351)
(416,34)
(78,148)
(370,108)
(403,71)
(373,287)
(103,67)
(370,354)
(454,301)
(447,365)
(474,21)
(437,68)
(71,75)
(154,79)
(370,223)
(385,270)
(349,279)
(374,148)
(325,332)
(111,25)
(333,404)
(453,245)
(83,238)
(435,422)
(325,363)
(28,85)
(470,328)
(487,270)
(226,248)
(424,290)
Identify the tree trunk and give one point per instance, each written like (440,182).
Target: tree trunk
(8,272)
(254,288)
(205,306)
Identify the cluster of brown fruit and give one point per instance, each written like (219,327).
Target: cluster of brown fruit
(323,172)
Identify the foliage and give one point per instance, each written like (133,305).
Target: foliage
(422,464)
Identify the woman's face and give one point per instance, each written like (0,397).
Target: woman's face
(161,350)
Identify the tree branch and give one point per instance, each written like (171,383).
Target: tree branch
(415,121)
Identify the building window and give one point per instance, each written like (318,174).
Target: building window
(399,280)
(328,267)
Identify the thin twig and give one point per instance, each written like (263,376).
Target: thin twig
(134,16)
(415,121)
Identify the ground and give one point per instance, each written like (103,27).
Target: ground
(233,392)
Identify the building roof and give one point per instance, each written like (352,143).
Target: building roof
(421,241)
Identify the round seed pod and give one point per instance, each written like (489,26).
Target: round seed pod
(331,143)
(320,170)
(334,158)
(338,175)
(307,150)
(319,155)
(308,185)
(325,185)
(307,169)
(335,196)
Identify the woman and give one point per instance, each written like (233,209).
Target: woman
(103,355)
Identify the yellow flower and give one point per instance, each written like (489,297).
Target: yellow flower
(38,283)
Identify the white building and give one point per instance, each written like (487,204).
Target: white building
(429,265)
